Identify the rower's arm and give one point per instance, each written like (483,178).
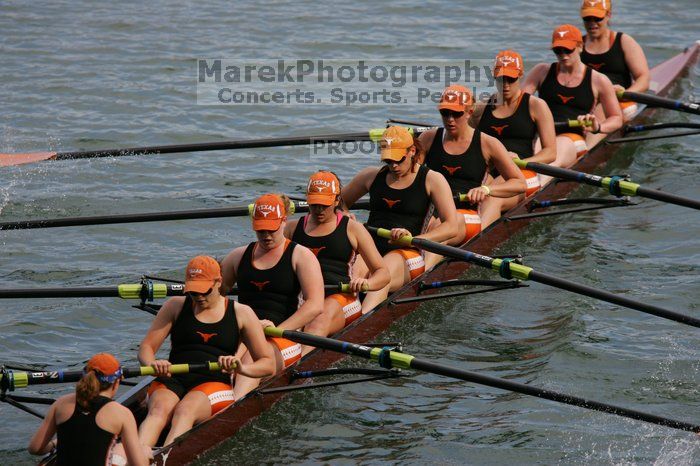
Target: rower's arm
(637,63)
(358,186)
(308,271)
(229,266)
(289,227)
(531,82)
(608,99)
(362,241)
(544,120)
(441,197)
(253,338)
(135,454)
(426,141)
(498,157)
(160,329)
(41,443)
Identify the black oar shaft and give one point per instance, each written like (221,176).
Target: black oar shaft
(656,126)
(662,102)
(402,360)
(667,197)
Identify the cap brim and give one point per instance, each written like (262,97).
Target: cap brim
(268,225)
(566,43)
(510,72)
(454,106)
(393,154)
(198,286)
(593,12)
(322,199)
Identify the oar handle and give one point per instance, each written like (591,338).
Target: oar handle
(571,124)
(406,240)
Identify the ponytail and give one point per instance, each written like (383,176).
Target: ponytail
(88,388)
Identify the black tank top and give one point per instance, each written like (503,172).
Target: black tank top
(273,293)
(567,103)
(516,132)
(193,341)
(80,440)
(463,171)
(398,208)
(611,63)
(333,251)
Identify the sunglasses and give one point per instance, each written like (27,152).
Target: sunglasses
(450,113)
(506,79)
(194,294)
(562,51)
(394,162)
(593,19)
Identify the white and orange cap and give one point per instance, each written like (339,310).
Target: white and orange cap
(457,98)
(269,211)
(201,273)
(508,63)
(323,188)
(567,36)
(106,367)
(395,142)
(596,8)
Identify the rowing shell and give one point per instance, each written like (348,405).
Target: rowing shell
(215,430)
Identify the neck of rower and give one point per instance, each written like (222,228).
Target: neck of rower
(462,132)
(512,97)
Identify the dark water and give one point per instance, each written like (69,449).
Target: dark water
(77,75)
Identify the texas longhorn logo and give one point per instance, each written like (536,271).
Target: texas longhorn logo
(207,336)
(451,170)
(562,33)
(191,273)
(267,209)
(499,129)
(321,185)
(565,99)
(317,250)
(390,202)
(260,285)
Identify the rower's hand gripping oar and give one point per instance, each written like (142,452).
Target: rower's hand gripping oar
(392,359)
(614,184)
(571,124)
(10,380)
(655,101)
(9,159)
(508,270)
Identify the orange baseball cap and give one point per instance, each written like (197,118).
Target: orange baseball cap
(268,212)
(567,36)
(597,8)
(456,97)
(508,63)
(107,367)
(323,188)
(201,273)
(394,143)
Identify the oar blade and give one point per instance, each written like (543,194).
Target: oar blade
(8,160)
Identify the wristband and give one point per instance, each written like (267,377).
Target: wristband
(487,189)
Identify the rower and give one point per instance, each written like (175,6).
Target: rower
(204,326)
(515,118)
(336,239)
(274,275)
(571,90)
(88,422)
(463,155)
(618,56)
(401,193)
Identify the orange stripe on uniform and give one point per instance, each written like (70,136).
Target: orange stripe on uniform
(352,309)
(532,181)
(220,394)
(291,352)
(414,261)
(472,222)
(579,143)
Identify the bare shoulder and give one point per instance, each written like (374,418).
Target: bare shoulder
(427,137)
(244,312)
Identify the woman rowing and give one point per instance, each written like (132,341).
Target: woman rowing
(463,155)
(618,56)
(88,422)
(401,193)
(515,118)
(203,326)
(274,275)
(336,239)
(572,90)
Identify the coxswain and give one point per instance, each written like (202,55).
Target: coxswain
(402,192)
(336,239)
(523,124)
(463,155)
(572,90)
(618,56)
(88,422)
(280,279)
(203,326)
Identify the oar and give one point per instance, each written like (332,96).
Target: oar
(10,380)
(662,102)
(391,359)
(144,291)
(570,124)
(510,270)
(650,138)
(656,126)
(241,211)
(615,185)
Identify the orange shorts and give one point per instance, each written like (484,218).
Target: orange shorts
(579,143)
(291,352)
(352,309)
(414,261)
(532,180)
(629,109)
(472,222)
(220,394)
